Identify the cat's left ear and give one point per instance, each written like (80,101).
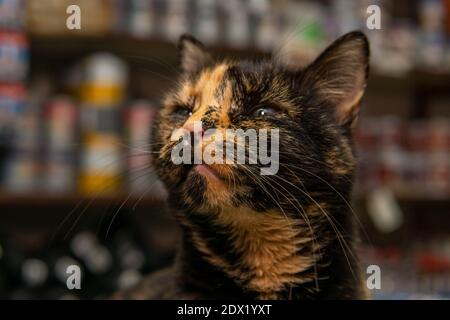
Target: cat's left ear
(340,75)
(193,55)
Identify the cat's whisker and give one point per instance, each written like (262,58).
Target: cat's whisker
(161,62)
(341,239)
(94,198)
(339,194)
(66,218)
(343,243)
(287,38)
(303,214)
(153,72)
(270,195)
(333,189)
(116,213)
(301,156)
(306,219)
(309,225)
(143,194)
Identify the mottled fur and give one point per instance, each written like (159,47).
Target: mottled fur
(288,236)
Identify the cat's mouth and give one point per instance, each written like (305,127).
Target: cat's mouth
(209,172)
(216,178)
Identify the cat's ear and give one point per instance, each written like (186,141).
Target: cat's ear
(193,55)
(339,75)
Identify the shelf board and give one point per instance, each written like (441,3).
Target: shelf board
(411,198)
(55,200)
(124,44)
(127,201)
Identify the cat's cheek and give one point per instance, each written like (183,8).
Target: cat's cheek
(167,172)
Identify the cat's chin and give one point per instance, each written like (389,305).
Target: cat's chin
(204,189)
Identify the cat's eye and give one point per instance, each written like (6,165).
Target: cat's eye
(264,111)
(184,112)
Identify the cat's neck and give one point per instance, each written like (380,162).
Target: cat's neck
(262,253)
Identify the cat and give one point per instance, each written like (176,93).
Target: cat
(290,235)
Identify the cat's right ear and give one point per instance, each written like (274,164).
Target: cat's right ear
(193,55)
(339,75)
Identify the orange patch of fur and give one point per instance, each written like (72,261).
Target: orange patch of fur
(269,243)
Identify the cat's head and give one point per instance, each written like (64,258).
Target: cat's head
(313,110)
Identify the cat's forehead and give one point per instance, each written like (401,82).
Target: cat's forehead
(211,83)
(235,81)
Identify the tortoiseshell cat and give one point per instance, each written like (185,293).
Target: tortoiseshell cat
(286,236)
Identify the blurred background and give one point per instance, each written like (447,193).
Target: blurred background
(76,107)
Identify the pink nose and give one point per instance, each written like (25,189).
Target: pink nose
(190,127)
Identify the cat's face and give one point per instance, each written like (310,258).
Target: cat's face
(313,110)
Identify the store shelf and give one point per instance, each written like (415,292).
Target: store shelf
(129,201)
(52,200)
(122,44)
(411,197)
(68,45)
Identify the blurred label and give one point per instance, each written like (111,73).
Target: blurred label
(139,118)
(13,56)
(11,14)
(101,96)
(61,115)
(384,210)
(101,164)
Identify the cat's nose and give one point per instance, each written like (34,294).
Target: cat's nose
(190,127)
